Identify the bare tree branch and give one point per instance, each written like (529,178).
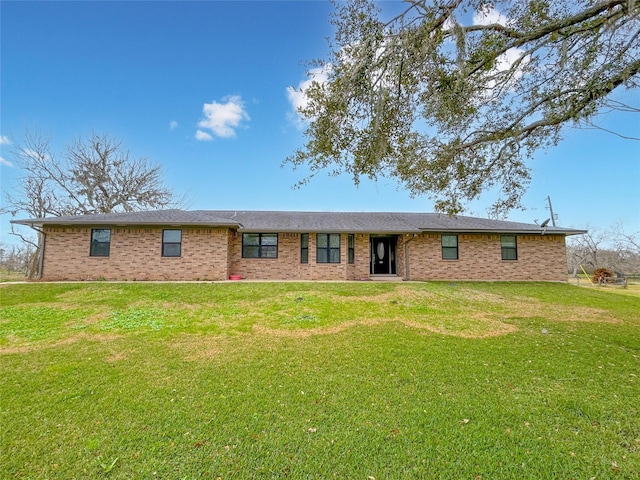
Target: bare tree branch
(96,175)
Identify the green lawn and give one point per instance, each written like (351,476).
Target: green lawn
(319,380)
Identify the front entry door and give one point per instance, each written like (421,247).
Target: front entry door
(383,255)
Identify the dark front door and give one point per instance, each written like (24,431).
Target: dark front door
(383,255)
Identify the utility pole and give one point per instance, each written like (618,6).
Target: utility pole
(553,217)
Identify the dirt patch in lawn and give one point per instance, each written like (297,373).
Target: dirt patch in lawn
(95,337)
(482,329)
(400,294)
(530,307)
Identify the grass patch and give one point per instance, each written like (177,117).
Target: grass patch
(319,380)
(135,319)
(7,276)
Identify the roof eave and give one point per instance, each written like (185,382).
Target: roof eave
(505,231)
(52,222)
(328,230)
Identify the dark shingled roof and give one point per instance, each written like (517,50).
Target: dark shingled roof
(154,217)
(281,221)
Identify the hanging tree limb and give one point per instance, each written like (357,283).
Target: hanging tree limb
(452,103)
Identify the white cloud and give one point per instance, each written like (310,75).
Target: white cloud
(173,125)
(489,16)
(298,96)
(504,61)
(203,136)
(221,119)
(4,140)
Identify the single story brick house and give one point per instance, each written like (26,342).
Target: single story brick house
(280,245)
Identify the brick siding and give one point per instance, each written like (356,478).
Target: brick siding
(216,253)
(288,266)
(135,254)
(480,258)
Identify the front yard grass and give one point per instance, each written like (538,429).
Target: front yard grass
(319,380)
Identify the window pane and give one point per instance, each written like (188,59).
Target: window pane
(250,239)
(172,236)
(334,256)
(171,250)
(509,247)
(508,241)
(304,248)
(260,245)
(99,249)
(334,240)
(101,235)
(322,256)
(269,252)
(250,251)
(509,254)
(100,242)
(449,253)
(449,241)
(322,240)
(269,239)
(351,248)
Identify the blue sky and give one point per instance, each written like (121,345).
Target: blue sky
(201,88)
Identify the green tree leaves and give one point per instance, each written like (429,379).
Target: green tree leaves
(452,98)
